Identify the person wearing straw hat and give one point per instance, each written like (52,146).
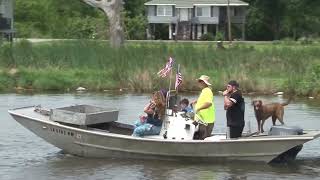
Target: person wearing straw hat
(204,109)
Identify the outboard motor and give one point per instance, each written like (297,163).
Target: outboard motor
(286,131)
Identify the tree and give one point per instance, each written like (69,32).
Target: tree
(48,19)
(135,27)
(264,19)
(134,7)
(112,8)
(302,18)
(135,20)
(275,19)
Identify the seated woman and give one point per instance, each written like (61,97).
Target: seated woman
(152,123)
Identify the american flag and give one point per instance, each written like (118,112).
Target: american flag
(178,78)
(164,72)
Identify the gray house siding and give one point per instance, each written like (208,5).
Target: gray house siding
(205,20)
(6,18)
(6,8)
(214,19)
(153,18)
(6,12)
(151,11)
(162,19)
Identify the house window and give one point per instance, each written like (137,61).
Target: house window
(151,10)
(164,10)
(203,11)
(199,11)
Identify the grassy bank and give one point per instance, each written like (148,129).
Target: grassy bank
(65,65)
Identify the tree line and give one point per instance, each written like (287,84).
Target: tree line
(266,19)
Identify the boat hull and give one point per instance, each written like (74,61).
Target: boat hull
(90,143)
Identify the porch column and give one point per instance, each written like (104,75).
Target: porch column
(154,32)
(193,32)
(244,29)
(205,29)
(199,31)
(170,31)
(148,31)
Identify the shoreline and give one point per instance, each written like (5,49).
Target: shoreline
(66,65)
(127,91)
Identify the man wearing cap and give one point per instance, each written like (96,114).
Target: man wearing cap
(234,104)
(204,108)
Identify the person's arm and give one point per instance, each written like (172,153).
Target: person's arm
(227,102)
(149,108)
(204,106)
(230,100)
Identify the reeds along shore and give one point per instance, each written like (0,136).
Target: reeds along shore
(65,65)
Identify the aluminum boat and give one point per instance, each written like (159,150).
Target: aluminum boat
(95,132)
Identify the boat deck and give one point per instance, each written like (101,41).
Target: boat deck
(124,129)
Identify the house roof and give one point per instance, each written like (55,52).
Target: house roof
(191,3)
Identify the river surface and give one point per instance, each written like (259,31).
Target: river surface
(23,155)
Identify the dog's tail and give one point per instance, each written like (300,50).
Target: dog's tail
(288,101)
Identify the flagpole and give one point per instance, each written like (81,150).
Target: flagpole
(168,94)
(177,89)
(167,103)
(170,80)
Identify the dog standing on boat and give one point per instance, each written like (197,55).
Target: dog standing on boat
(264,111)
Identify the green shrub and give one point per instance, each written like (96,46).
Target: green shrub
(305,40)
(207,37)
(6,82)
(6,55)
(219,36)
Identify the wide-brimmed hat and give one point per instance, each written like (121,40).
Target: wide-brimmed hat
(205,79)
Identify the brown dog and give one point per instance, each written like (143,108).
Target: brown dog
(264,111)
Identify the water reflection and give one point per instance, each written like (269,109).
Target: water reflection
(62,166)
(25,156)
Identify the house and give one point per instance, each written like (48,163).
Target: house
(191,19)
(6,19)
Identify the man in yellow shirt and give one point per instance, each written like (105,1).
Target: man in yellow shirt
(204,108)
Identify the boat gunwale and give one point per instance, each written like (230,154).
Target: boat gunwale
(313,134)
(171,154)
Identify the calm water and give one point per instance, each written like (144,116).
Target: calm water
(25,156)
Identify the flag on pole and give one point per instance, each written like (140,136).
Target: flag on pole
(178,78)
(164,72)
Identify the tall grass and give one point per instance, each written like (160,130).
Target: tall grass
(63,65)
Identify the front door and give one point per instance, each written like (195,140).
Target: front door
(184,14)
